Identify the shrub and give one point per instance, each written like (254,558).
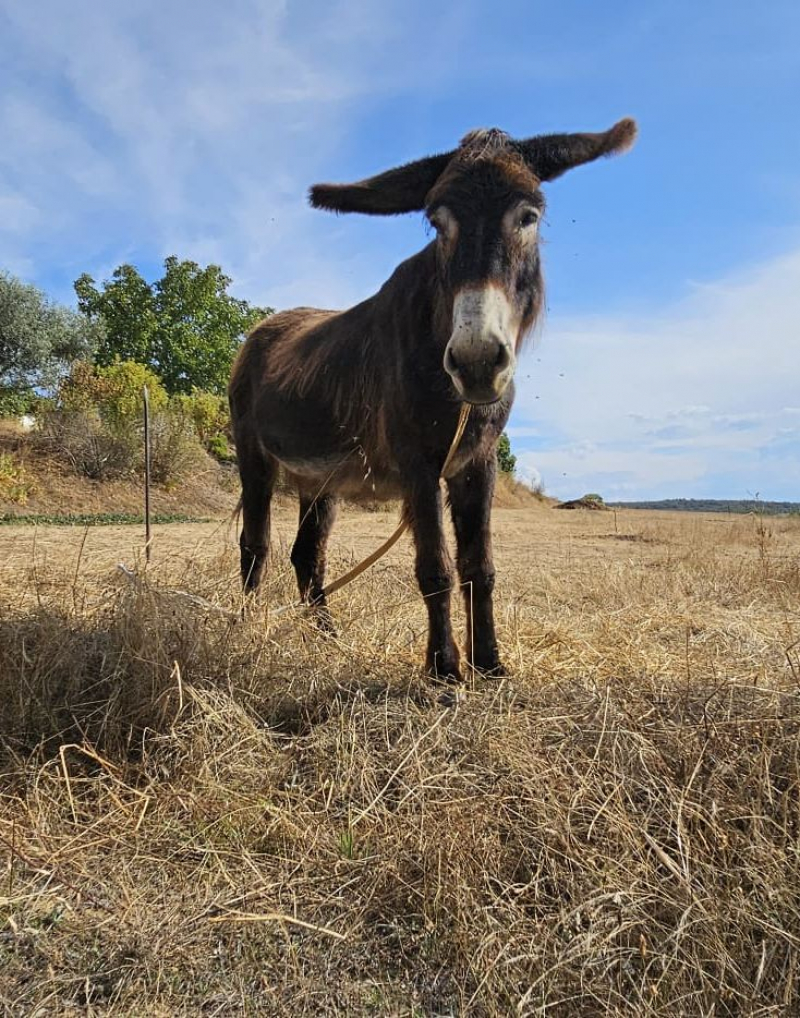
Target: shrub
(124,383)
(15,484)
(208,412)
(220,449)
(174,448)
(92,448)
(15,402)
(210,418)
(506,460)
(97,424)
(114,392)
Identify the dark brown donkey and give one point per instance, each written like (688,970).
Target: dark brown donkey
(366,401)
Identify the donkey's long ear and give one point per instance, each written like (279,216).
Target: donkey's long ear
(550,155)
(399,190)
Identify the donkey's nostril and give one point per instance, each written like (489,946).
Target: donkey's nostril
(503,358)
(450,363)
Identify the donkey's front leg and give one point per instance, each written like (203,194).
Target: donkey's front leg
(434,568)
(471,506)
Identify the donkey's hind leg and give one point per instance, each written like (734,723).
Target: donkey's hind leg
(317,516)
(258,474)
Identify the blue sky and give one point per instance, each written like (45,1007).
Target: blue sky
(667,365)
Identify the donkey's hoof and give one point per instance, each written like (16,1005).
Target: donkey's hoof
(451,697)
(444,668)
(491,671)
(324,621)
(486,663)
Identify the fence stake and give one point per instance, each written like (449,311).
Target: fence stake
(147,535)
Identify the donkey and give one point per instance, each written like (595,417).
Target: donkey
(365,402)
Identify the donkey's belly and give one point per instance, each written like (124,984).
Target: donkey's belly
(349,476)
(341,471)
(319,456)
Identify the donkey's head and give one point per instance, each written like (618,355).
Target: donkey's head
(485,201)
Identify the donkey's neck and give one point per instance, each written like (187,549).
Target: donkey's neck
(411,303)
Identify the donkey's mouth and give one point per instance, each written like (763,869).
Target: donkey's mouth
(483,395)
(483,380)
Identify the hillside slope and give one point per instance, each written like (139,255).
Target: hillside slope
(50,486)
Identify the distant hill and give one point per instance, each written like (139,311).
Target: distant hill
(714,505)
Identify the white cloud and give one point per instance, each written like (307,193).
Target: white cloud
(688,411)
(697,399)
(197,129)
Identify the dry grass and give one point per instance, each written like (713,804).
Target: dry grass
(207,816)
(51,484)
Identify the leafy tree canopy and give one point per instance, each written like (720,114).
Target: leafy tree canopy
(186,326)
(506,460)
(39,338)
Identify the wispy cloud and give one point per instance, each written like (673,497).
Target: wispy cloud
(159,128)
(696,399)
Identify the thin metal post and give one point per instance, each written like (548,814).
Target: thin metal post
(147,534)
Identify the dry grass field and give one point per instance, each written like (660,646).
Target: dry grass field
(203,815)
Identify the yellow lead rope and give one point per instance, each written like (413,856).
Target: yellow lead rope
(370,560)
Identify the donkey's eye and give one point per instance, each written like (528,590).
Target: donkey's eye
(529,217)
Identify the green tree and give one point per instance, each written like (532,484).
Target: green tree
(126,306)
(39,338)
(186,326)
(506,460)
